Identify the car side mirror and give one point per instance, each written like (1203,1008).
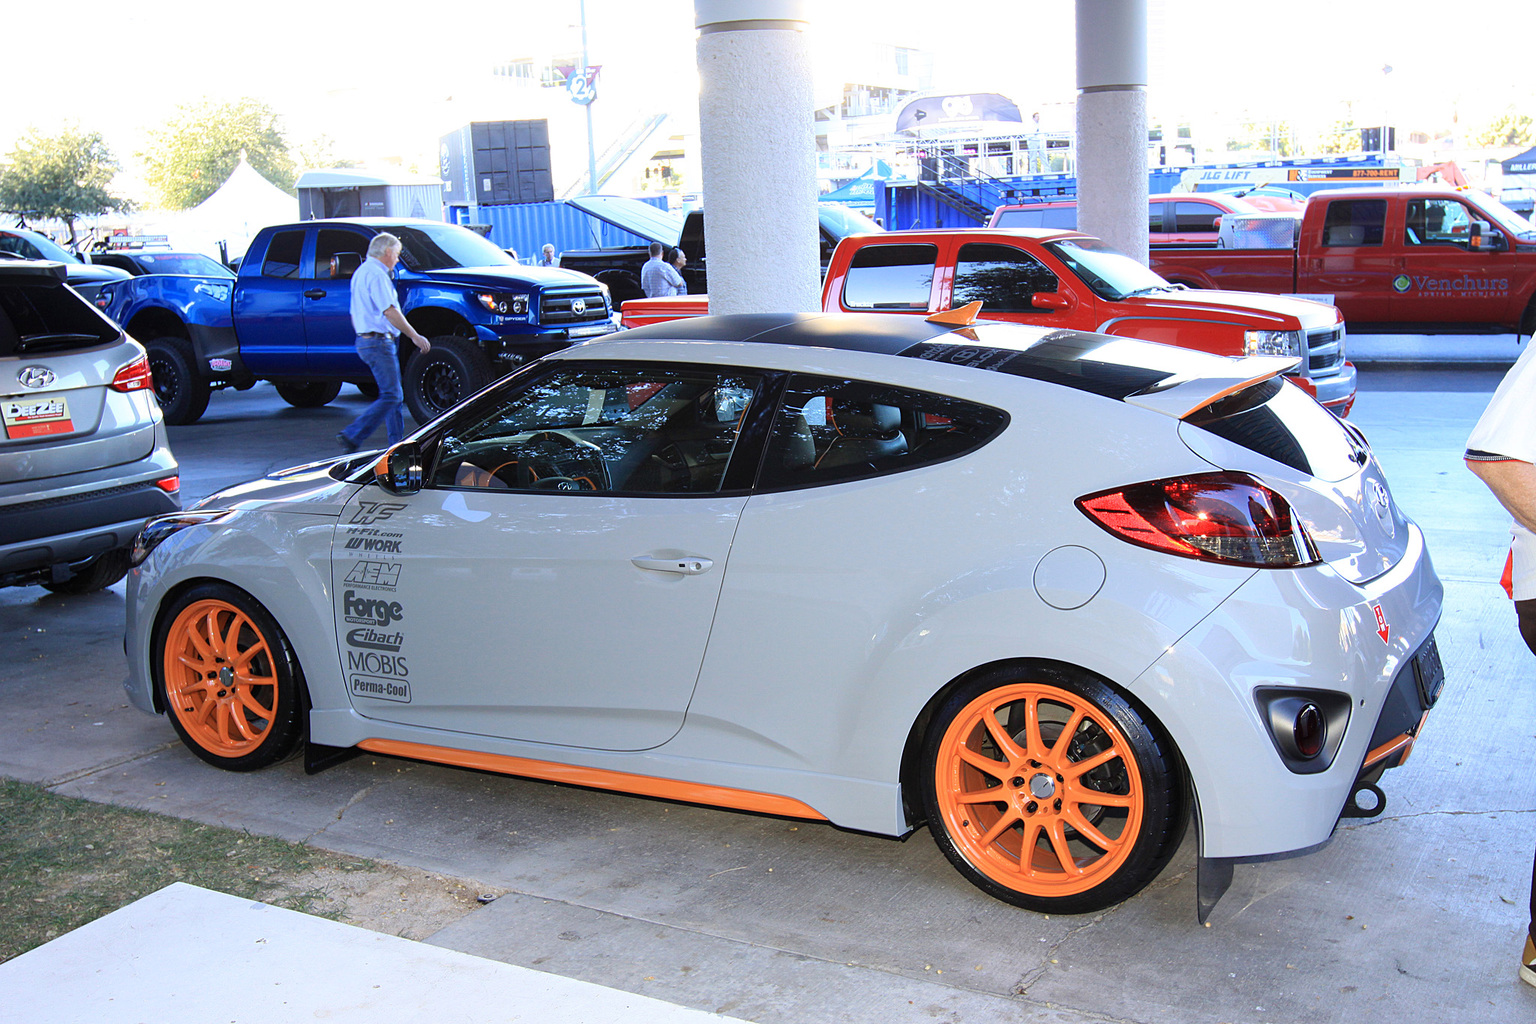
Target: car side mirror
(1054,301)
(1485,239)
(400,470)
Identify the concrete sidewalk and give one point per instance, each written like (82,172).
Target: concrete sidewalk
(1415,915)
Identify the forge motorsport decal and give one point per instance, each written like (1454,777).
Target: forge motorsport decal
(371,619)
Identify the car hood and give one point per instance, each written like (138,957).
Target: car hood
(1263,309)
(94,273)
(649,222)
(505,277)
(311,489)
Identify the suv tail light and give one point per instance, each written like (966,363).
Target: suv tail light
(133,377)
(1229,518)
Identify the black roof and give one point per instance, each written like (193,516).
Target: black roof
(1103,365)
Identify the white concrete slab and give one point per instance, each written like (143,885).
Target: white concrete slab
(186,954)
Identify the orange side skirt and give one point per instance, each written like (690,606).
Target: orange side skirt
(598,778)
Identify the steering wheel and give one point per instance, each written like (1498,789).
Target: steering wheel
(568,448)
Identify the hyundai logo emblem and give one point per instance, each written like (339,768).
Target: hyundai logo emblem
(36,377)
(579,306)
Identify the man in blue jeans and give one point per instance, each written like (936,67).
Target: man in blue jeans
(377,319)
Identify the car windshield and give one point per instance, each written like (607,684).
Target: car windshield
(446,247)
(33,246)
(188,263)
(840,222)
(1507,219)
(1111,274)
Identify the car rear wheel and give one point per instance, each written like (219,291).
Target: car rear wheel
(229,683)
(1050,791)
(97,574)
(180,389)
(439,379)
(310,394)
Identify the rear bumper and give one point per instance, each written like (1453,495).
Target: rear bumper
(71,528)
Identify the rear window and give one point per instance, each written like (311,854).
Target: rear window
(47,317)
(1039,217)
(890,277)
(1284,424)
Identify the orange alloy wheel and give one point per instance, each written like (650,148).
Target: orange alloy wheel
(220,680)
(1039,790)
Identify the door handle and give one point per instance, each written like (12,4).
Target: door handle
(315,293)
(688,565)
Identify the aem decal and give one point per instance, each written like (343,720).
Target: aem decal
(380,575)
(370,611)
(380,689)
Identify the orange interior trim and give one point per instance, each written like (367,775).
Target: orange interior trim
(599,778)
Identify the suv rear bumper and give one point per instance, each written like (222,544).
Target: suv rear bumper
(62,530)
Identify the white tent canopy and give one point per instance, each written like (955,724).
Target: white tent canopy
(242,206)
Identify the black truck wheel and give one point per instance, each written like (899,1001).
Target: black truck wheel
(179,387)
(438,380)
(310,394)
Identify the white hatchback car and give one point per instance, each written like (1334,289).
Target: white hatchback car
(1050,593)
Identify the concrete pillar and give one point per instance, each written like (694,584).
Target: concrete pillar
(1112,122)
(757,146)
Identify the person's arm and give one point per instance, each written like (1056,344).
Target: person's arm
(1514,483)
(394,316)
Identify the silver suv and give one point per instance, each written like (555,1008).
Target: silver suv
(83,453)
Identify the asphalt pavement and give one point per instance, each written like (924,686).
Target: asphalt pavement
(1415,915)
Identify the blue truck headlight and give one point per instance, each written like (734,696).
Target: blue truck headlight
(504,303)
(1273,343)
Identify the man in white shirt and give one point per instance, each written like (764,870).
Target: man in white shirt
(377,319)
(658,278)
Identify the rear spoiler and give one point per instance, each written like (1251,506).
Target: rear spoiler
(1181,397)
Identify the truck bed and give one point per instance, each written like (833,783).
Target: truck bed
(1238,270)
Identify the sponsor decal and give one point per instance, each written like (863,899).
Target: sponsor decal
(379,575)
(383,547)
(380,689)
(375,511)
(370,611)
(1382,629)
(375,640)
(376,664)
(1402,282)
(1453,287)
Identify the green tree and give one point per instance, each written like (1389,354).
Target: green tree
(195,152)
(1342,137)
(61,176)
(1277,137)
(1508,129)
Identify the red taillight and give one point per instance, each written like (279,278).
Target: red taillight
(1217,517)
(133,377)
(169,484)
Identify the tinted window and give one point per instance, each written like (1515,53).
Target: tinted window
(331,245)
(283,254)
(623,430)
(1001,277)
(1195,217)
(188,263)
(1437,222)
(827,429)
(1284,424)
(446,246)
(1064,217)
(1154,218)
(890,277)
(1352,222)
(46,317)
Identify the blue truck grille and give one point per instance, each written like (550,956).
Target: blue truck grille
(575,304)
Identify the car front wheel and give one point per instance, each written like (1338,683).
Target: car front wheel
(229,684)
(1050,791)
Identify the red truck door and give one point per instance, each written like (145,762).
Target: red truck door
(1350,258)
(1441,277)
(1005,280)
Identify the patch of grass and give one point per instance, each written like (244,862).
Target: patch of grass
(65,862)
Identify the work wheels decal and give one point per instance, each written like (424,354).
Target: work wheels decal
(1050,794)
(227,682)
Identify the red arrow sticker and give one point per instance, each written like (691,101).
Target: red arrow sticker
(1382,630)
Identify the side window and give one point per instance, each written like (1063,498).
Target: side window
(20,246)
(1154,218)
(622,430)
(1001,277)
(1437,222)
(338,253)
(283,254)
(1352,222)
(890,277)
(1195,217)
(827,430)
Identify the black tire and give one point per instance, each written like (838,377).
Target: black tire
(368,389)
(97,574)
(443,377)
(1045,807)
(310,394)
(239,709)
(180,388)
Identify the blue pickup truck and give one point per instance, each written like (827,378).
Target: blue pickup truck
(285,317)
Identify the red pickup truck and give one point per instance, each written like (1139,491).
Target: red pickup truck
(1406,258)
(1064,279)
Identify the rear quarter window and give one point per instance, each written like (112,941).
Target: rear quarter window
(1282,422)
(890,277)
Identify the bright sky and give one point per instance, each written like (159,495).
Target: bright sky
(391,77)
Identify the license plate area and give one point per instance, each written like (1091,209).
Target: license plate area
(38,416)
(1428,672)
